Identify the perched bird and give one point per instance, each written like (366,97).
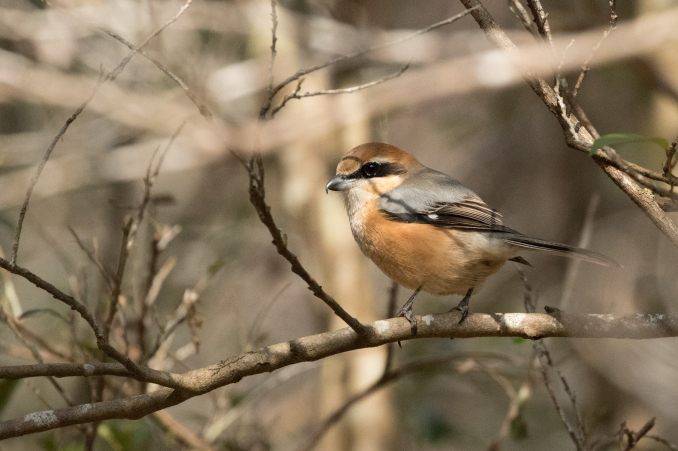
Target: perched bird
(427,231)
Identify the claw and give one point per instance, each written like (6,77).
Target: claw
(406,312)
(463,306)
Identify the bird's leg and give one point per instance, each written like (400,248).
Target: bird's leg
(406,311)
(463,305)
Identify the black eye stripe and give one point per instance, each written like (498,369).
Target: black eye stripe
(373,169)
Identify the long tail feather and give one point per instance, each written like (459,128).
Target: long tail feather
(559,249)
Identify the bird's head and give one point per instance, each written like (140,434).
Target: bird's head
(373,167)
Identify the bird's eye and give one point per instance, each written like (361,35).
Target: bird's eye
(370,169)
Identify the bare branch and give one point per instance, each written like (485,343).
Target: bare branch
(11,322)
(103,79)
(663,441)
(41,166)
(576,138)
(103,271)
(316,347)
(586,68)
(302,72)
(64,370)
(386,379)
(578,435)
(540,19)
(158,377)
(116,289)
(295,94)
(270,91)
(257,198)
(521,13)
(204,111)
(180,431)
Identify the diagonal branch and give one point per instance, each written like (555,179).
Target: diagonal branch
(257,198)
(576,137)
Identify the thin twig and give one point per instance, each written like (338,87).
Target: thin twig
(130,229)
(670,163)
(530,297)
(252,339)
(540,19)
(521,13)
(632,438)
(575,137)
(578,436)
(204,110)
(295,94)
(302,72)
(116,290)
(11,323)
(41,166)
(663,441)
(266,106)
(103,271)
(586,68)
(257,198)
(392,376)
(102,341)
(102,79)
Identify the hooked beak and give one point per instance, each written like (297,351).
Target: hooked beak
(338,183)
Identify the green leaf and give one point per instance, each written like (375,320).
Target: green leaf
(614,139)
(519,340)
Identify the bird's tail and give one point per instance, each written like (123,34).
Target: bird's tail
(559,249)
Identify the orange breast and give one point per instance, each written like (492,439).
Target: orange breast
(441,261)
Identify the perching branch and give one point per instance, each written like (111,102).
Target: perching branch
(316,347)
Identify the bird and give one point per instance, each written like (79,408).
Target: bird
(426,230)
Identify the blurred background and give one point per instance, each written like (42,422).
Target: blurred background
(460,108)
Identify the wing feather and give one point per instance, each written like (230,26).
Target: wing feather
(467,214)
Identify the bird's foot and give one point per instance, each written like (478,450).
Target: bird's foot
(463,306)
(406,312)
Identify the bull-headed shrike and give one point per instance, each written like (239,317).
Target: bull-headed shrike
(427,231)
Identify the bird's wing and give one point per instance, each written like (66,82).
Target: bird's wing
(439,200)
(431,197)
(467,214)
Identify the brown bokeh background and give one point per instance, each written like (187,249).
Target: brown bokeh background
(460,108)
